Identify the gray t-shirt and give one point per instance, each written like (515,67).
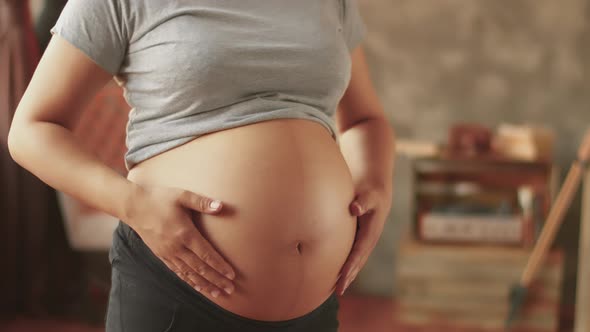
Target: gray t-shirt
(190,67)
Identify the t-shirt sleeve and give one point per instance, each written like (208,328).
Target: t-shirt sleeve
(97,28)
(354,26)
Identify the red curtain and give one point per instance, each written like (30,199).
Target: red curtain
(39,273)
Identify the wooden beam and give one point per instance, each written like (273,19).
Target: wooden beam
(582,323)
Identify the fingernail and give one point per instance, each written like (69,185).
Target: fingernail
(215,204)
(346,285)
(228,290)
(229,276)
(358,207)
(198,288)
(215,293)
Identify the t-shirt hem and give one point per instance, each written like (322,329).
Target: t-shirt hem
(132,158)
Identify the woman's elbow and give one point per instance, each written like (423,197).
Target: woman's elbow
(19,133)
(13,141)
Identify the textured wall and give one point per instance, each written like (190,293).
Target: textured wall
(435,62)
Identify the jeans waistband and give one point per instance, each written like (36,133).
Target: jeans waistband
(143,255)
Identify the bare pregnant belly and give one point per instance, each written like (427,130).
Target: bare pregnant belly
(285,226)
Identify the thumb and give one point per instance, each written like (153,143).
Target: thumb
(199,203)
(363,203)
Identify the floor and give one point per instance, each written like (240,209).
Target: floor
(357,314)
(362,314)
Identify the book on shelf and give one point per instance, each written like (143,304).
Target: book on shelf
(483,200)
(469,213)
(502,229)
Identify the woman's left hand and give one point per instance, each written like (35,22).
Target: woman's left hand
(371,205)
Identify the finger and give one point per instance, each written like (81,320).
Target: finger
(336,283)
(205,271)
(199,203)
(205,251)
(364,203)
(349,269)
(357,258)
(198,282)
(182,275)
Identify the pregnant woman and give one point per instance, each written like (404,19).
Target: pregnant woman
(260,160)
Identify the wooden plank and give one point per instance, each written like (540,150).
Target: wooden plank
(466,252)
(448,307)
(483,271)
(482,290)
(481,323)
(468,287)
(582,321)
(465,264)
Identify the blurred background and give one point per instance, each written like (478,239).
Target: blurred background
(489,101)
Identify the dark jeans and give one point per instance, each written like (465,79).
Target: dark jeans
(146,296)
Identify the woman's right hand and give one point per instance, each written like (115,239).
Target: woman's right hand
(162,218)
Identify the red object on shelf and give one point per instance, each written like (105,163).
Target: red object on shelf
(470,139)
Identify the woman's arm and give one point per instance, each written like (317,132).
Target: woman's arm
(41,141)
(365,135)
(367,143)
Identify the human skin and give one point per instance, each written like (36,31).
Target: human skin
(163,212)
(285,226)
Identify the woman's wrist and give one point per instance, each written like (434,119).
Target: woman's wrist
(131,198)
